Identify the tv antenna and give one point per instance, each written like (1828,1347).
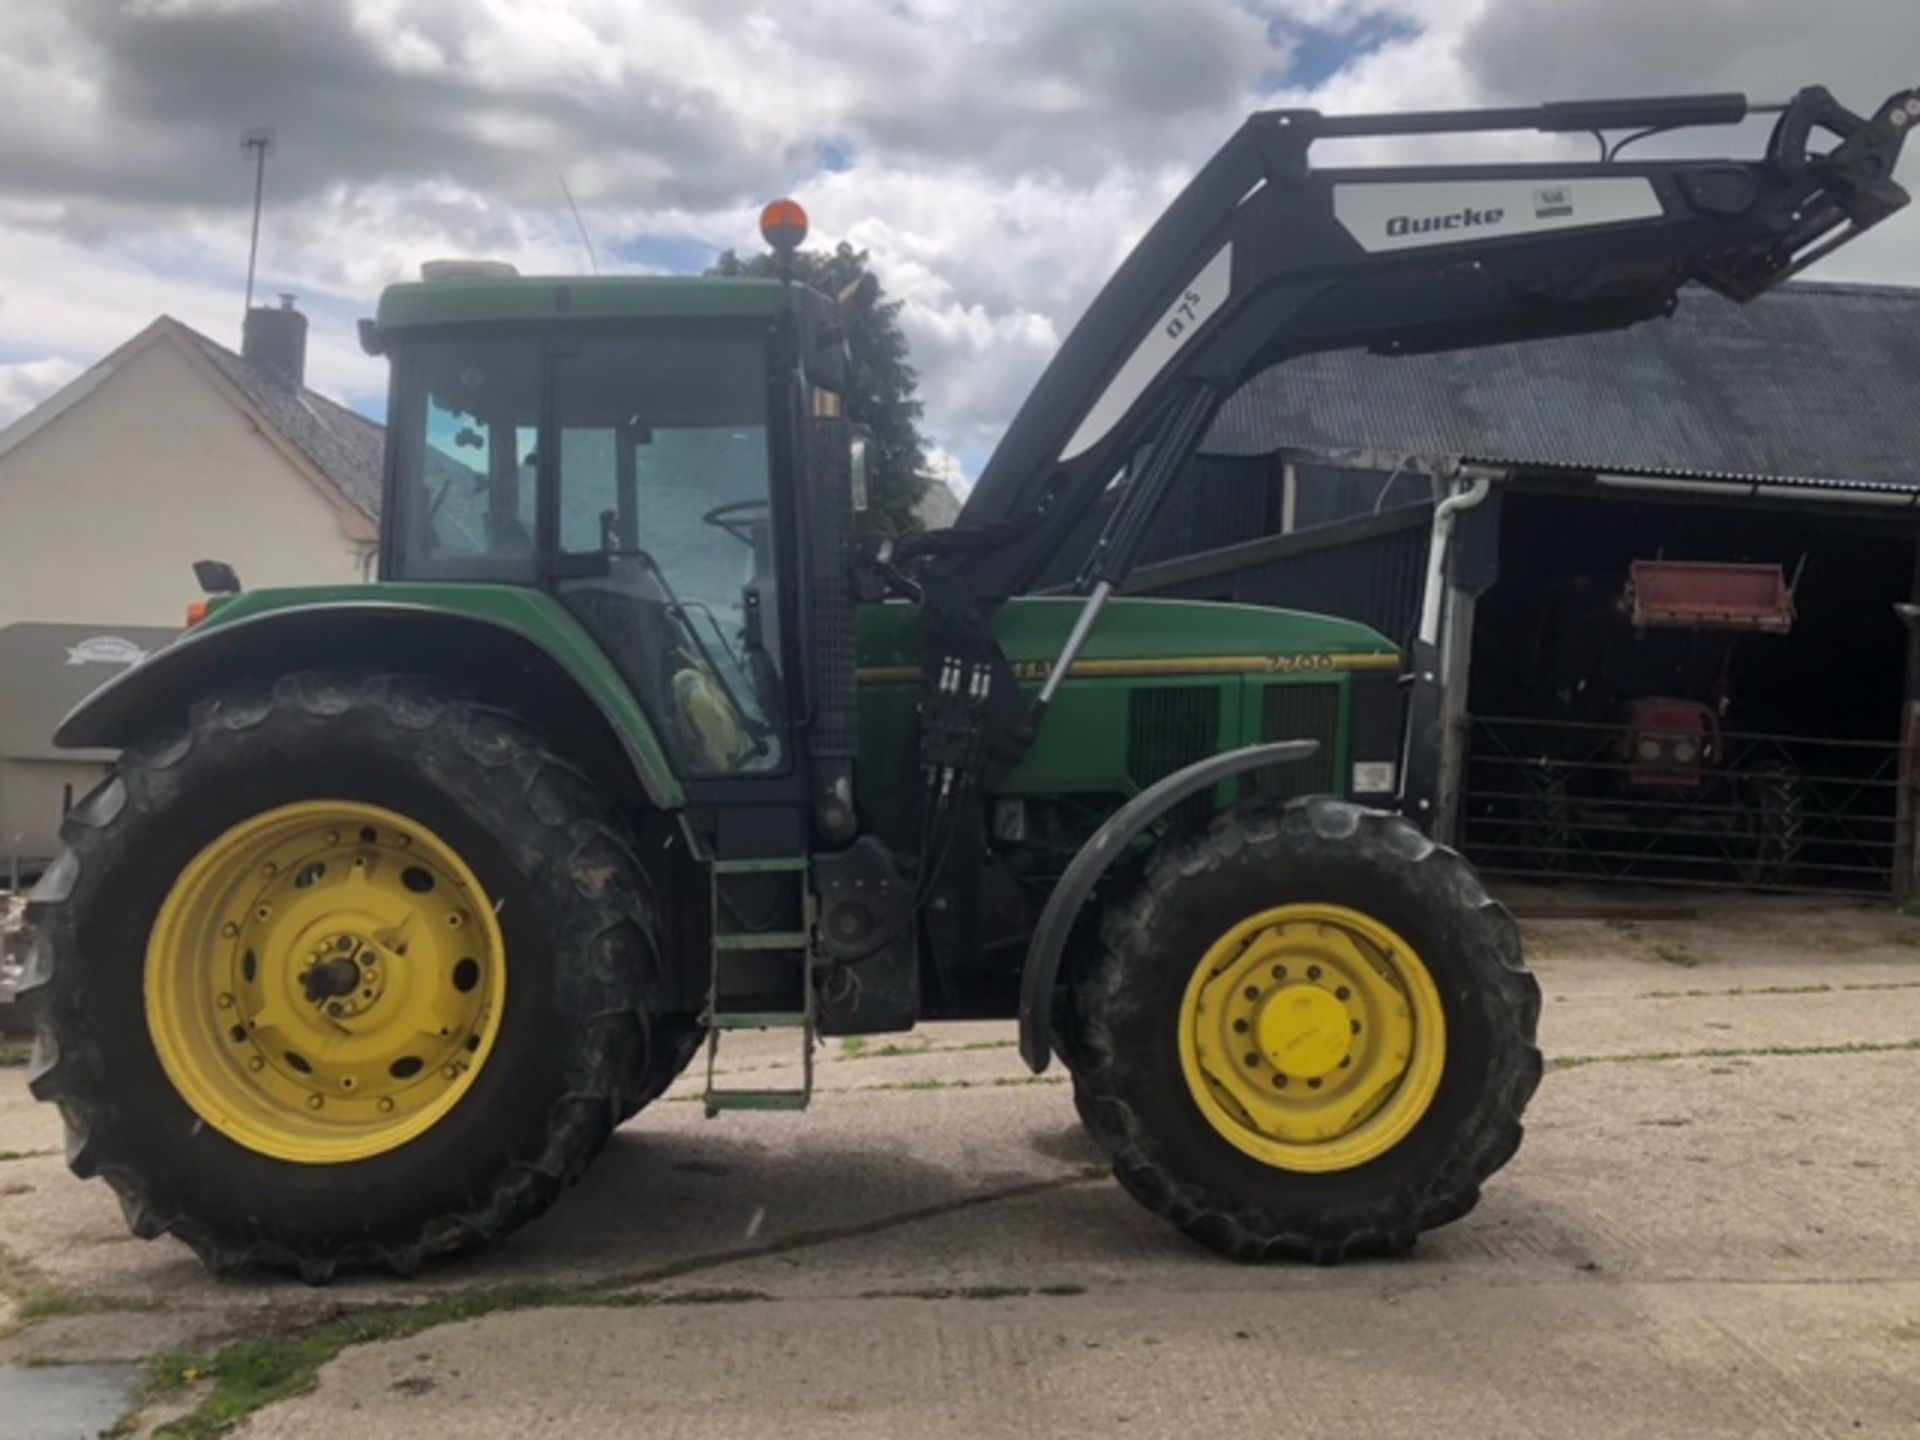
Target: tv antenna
(254,146)
(593,261)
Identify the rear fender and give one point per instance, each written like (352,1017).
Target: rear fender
(1092,861)
(560,679)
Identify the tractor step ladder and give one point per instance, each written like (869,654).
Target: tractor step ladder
(741,1001)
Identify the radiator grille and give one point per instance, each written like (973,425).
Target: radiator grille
(1168,729)
(1301,711)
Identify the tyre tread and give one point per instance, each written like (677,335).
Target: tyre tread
(1125,948)
(577,835)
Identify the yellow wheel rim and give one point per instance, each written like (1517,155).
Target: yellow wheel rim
(324,982)
(1312,1037)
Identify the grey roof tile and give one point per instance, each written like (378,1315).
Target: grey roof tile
(1815,383)
(348,449)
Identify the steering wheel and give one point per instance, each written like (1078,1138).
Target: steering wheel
(735,516)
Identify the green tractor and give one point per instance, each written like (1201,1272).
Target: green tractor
(401,897)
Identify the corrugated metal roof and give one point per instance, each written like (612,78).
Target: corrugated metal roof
(1814,384)
(347,448)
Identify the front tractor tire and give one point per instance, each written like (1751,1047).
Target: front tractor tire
(345,971)
(1306,1033)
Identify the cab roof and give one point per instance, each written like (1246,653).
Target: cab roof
(483,299)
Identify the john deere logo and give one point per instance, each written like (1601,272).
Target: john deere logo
(105,650)
(1553,203)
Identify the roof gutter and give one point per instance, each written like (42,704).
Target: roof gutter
(1816,492)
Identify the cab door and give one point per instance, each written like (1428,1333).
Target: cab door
(664,542)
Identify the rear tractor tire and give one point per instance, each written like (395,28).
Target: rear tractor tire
(346,971)
(1306,1032)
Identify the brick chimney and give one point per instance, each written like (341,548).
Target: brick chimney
(276,341)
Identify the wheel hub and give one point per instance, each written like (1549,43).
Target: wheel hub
(323,982)
(1303,1031)
(1312,1037)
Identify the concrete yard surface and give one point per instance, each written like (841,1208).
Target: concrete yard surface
(1710,1231)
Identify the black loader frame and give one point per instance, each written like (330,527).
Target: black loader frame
(1264,257)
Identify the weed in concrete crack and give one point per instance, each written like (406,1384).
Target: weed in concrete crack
(249,1374)
(999,1082)
(1678,955)
(644,1299)
(6,1155)
(973,1292)
(1757,1052)
(1816,989)
(47,1305)
(14,1053)
(33,1299)
(893,1051)
(852,1045)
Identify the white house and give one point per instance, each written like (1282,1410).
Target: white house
(172,449)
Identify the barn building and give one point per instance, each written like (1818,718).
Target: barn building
(1680,628)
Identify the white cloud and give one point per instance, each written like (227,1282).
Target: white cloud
(996,157)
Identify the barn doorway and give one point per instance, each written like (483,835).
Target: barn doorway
(1690,692)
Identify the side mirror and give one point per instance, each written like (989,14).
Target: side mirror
(216,577)
(857,466)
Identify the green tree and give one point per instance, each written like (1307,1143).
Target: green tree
(881,396)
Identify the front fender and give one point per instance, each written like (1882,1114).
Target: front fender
(541,664)
(1084,871)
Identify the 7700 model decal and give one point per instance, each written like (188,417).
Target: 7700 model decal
(1387,216)
(1314,662)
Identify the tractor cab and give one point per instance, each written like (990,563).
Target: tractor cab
(648,451)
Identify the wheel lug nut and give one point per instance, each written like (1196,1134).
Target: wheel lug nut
(449,1071)
(269,870)
(314,1102)
(336,1009)
(386,1104)
(229,930)
(225,1002)
(254,1062)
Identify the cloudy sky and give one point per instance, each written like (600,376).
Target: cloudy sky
(997,157)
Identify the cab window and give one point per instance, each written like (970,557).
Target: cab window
(466,443)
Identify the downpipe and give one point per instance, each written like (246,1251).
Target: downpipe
(1445,515)
(1424,746)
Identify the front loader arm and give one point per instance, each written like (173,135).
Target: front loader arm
(1264,257)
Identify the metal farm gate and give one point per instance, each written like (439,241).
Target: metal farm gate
(1559,799)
